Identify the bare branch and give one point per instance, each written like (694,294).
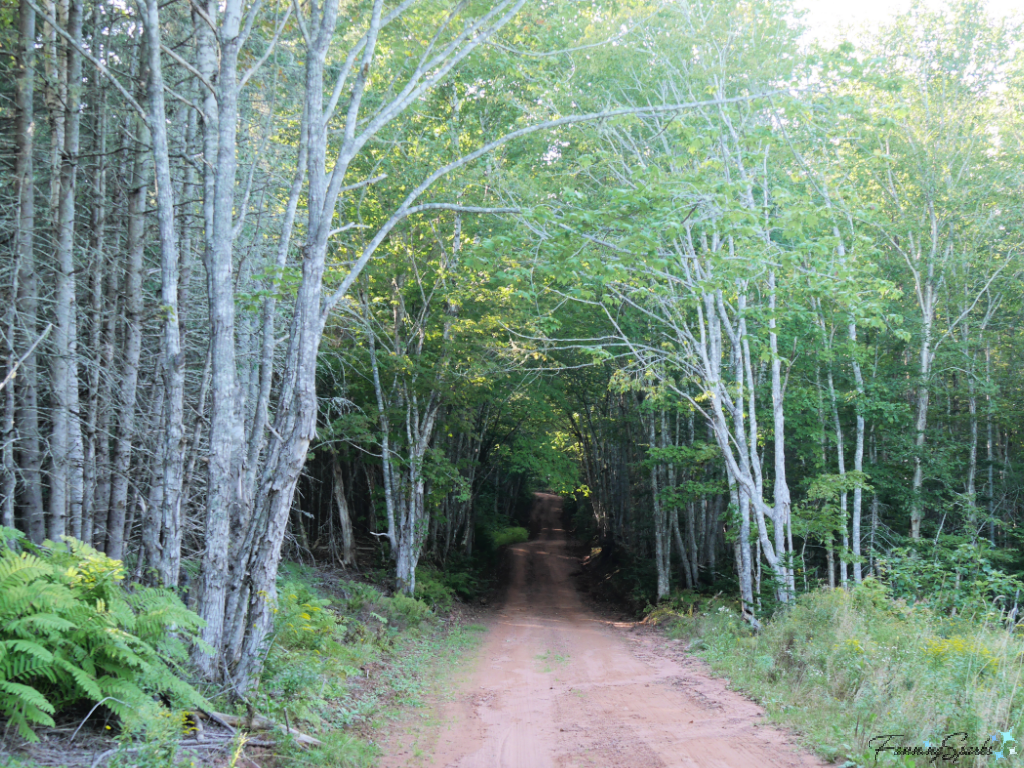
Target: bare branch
(14,368)
(100,66)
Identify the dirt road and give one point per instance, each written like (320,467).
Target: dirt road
(558,686)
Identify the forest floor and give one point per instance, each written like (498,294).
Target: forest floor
(558,684)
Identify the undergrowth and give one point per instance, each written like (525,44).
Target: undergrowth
(71,635)
(344,655)
(847,668)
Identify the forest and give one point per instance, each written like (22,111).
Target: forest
(345,282)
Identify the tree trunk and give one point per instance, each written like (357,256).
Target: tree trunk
(162,531)
(858,454)
(26,386)
(225,505)
(660,527)
(841,462)
(921,423)
(96,469)
(348,549)
(684,561)
(122,457)
(66,488)
(990,449)
(972,453)
(783,503)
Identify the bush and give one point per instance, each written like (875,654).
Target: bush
(506,536)
(70,632)
(413,612)
(432,589)
(303,619)
(952,580)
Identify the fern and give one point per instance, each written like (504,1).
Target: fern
(71,632)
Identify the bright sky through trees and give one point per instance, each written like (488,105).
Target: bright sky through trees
(825,18)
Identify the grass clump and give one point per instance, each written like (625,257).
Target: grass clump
(846,667)
(512,535)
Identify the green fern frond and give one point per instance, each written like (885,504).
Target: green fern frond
(30,649)
(70,628)
(27,695)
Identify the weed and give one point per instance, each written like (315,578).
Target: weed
(549,660)
(335,665)
(844,667)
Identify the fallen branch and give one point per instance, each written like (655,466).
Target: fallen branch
(217,718)
(260,723)
(184,745)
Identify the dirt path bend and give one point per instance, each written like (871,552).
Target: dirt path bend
(558,686)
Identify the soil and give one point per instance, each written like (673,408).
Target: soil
(558,685)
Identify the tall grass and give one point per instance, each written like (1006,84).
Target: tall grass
(846,668)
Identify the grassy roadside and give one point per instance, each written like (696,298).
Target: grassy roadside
(348,668)
(420,670)
(846,669)
(412,726)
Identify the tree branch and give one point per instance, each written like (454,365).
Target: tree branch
(403,209)
(90,58)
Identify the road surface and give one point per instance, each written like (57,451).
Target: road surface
(557,686)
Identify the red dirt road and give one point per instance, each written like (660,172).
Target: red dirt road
(557,686)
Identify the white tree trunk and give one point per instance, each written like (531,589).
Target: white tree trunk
(66,487)
(661,540)
(163,528)
(858,454)
(25,387)
(348,548)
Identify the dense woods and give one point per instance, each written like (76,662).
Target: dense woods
(348,280)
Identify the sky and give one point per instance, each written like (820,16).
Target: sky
(824,17)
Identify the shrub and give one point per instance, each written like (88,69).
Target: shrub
(845,666)
(513,535)
(362,596)
(303,619)
(961,651)
(952,580)
(432,589)
(70,632)
(412,611)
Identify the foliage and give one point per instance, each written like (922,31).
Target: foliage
(513,535)
(351,654)
(71,632)
(304,620)
(954,578)
(321,644)
(153,740)
(845,666)
(432,589)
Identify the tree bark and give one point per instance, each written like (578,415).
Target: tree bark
(162,531)
(783,503)
(348,549)
(858,453)
(990,448)
(133,307)
(661,534)
(225,506)
(66,488)
(26,386)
